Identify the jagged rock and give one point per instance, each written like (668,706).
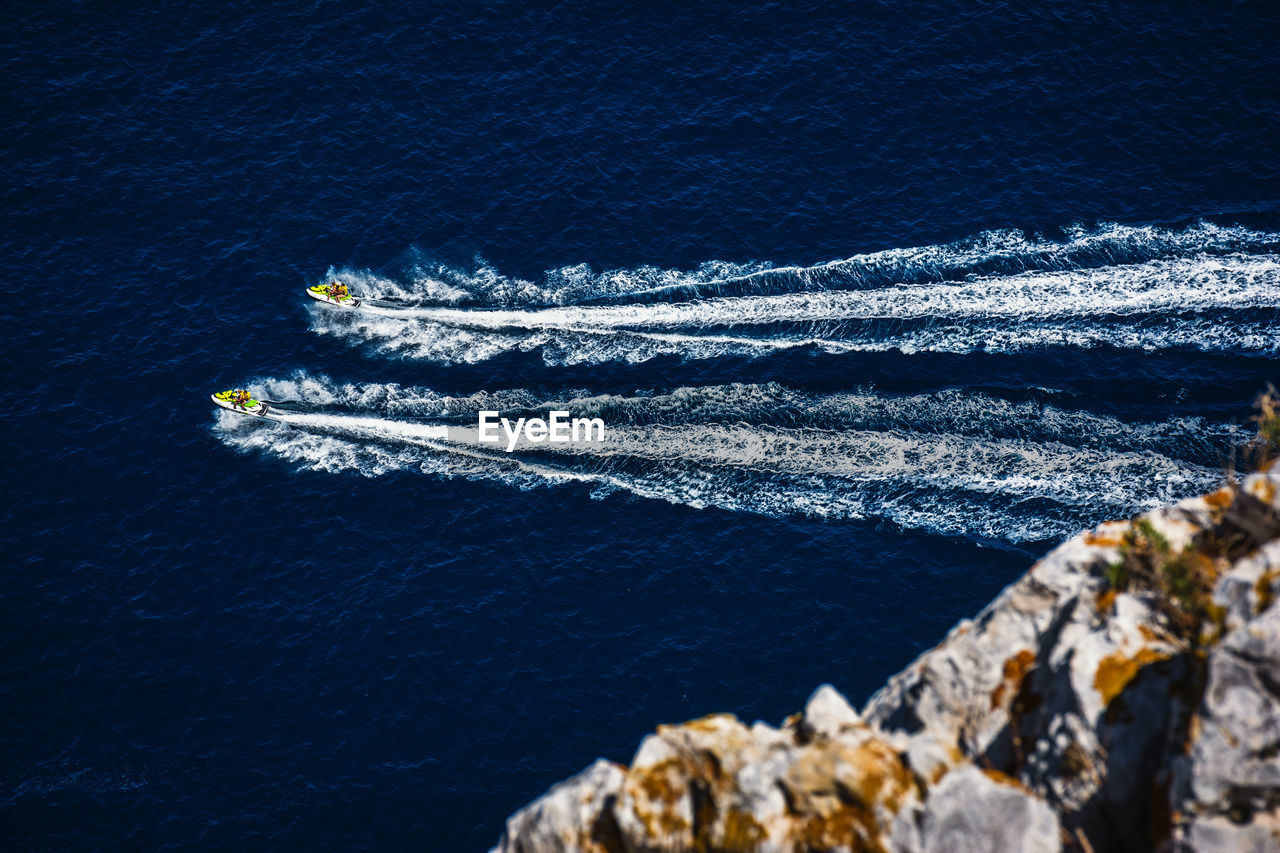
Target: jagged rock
(930,758)
(1217,834)
(846,794)
(978,813)
(1067,710)
(1251,586)
(1241,724)
(1228,787)
(683,784)
(715,784)
(572,816)
(827,713)
(1064,685)
(1254,513)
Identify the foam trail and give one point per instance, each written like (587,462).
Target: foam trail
(1021,472)
(772,404)
(989,253)
(1180,304)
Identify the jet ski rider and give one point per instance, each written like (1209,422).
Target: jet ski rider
(240,399)
(337,291)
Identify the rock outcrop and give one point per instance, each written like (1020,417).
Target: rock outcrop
(1123,695)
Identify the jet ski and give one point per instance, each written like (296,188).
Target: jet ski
(256,408)
(320,293)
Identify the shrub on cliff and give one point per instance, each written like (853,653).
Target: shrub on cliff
(1182,581)
(1269,419)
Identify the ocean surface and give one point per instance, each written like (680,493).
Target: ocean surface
(878,301)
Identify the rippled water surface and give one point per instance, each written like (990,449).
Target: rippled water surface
(877,304)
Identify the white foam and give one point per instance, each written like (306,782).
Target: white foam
(1023,472)
(437,283)
(955,411)
(1108,306)
(1001,252)
(1184,284)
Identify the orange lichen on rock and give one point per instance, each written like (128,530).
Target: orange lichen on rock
(1117,670)
(1265,491)
(1015,670)
(849,827)
(664,786)
(713,723)
(1220,500)
(1262,589)
(1102,541)
(1002,778)
(741,832)
(1106,599)
(1152,635)
(881,776)
(682,793)
(844,796)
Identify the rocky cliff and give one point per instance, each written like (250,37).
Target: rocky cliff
(1123,695)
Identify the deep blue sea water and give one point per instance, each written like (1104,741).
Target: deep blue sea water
(880,301)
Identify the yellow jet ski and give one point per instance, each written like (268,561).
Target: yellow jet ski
(240,401)
(320,293)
